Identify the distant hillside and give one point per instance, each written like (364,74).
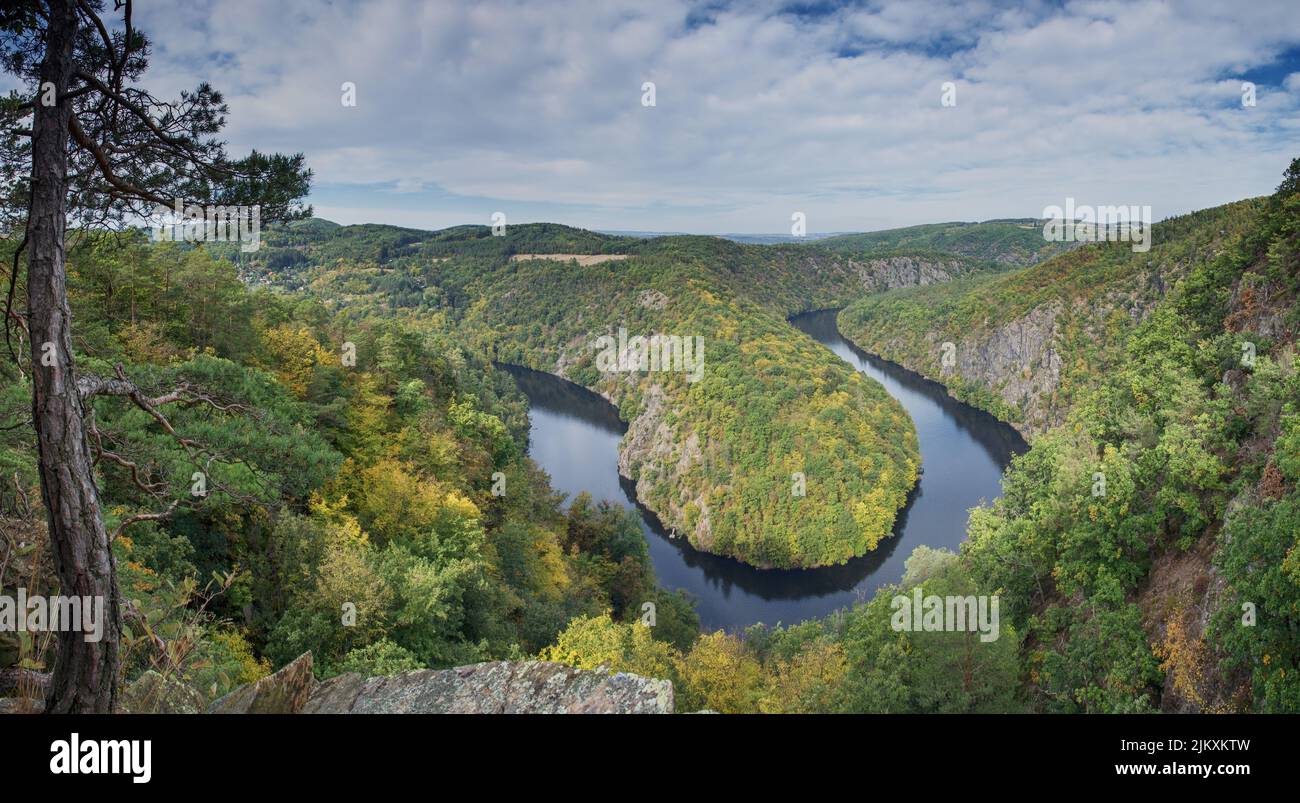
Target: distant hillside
(286,250)
(776,239)
(786,276)
(1016,241)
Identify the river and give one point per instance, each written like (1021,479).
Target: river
(574,436)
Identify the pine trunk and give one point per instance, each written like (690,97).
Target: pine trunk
(85,673)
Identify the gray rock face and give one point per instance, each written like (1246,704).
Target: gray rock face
(22,690)
(1022,360)
(648,453)
(888,273)
(501,687)
(1019,361)
(652,299)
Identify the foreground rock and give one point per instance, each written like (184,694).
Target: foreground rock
(285,692)
(501,687)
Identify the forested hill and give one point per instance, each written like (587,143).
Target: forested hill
(1013,242)
(790,277)
(289,249)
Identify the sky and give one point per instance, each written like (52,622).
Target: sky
(761,109)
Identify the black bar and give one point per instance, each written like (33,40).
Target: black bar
(320,752)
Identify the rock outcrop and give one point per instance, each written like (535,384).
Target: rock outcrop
(16,682)
(649,451)
(889,273)
(285,692)
(1019,361)
(502,687)
(499,687)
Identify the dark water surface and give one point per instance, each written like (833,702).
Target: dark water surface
(575,435)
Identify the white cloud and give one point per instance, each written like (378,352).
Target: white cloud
(758,113)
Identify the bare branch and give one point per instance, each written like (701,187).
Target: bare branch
(139,517)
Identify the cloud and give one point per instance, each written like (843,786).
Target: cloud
(535,108)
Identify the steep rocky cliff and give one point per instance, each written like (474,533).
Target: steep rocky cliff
(1022,362)
(888,273)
